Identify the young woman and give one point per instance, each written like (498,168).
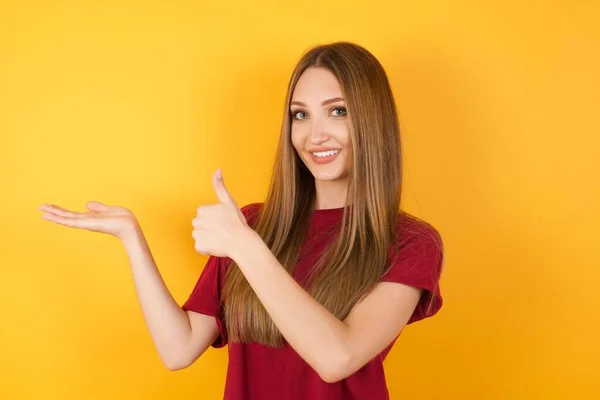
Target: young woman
(312,287)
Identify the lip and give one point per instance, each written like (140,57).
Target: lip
(323,160)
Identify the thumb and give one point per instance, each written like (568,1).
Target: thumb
(221,190)
(224,196)
(96,206)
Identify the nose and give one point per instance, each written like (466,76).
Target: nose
(318,138)
(318,134)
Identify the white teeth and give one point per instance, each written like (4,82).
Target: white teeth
(325,153)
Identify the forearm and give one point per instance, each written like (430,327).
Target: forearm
(168,324)
(315,333)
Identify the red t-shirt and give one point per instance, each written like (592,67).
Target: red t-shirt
(257,372)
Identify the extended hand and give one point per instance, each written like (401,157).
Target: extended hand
(113,220)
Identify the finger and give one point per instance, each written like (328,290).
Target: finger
(96,206)
(79,221)
(197,221)
(224,196)
(202,210)
(222,193)
(63,212)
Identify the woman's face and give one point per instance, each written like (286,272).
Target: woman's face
(319,124)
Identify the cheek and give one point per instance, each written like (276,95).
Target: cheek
(296,138)
(342,134)
(345,141)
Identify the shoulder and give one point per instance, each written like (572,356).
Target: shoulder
(413,231)
(418,249)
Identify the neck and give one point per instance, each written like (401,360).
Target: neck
(330,194)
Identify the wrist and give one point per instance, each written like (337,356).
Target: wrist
(246,242)
(131,233)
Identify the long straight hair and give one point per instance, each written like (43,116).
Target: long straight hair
(357,258)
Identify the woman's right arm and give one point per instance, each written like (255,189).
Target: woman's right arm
(179,336)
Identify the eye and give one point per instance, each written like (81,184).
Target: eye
(301,115)
(342,110)
(295,114)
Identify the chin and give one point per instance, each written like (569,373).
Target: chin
(333,171)
(333,175)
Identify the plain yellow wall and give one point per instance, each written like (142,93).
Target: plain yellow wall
(137,103)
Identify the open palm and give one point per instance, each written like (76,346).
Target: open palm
(113,220)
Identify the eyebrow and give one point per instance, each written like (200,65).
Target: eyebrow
(324,103)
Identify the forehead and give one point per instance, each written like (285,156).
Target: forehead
(316,84)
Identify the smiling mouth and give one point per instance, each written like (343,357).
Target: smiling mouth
(324,157)
(323,154)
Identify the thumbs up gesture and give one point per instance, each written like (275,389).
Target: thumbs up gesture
(219,227)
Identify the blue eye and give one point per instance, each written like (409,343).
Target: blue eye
(343,109)
(295,114)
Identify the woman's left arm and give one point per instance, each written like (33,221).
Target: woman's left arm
(334,349)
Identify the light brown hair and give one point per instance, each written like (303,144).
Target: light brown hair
(354,263)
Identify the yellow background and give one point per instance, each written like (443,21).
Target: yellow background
(137,103)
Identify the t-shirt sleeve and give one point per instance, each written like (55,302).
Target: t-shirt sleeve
(417,261)
(206,296)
